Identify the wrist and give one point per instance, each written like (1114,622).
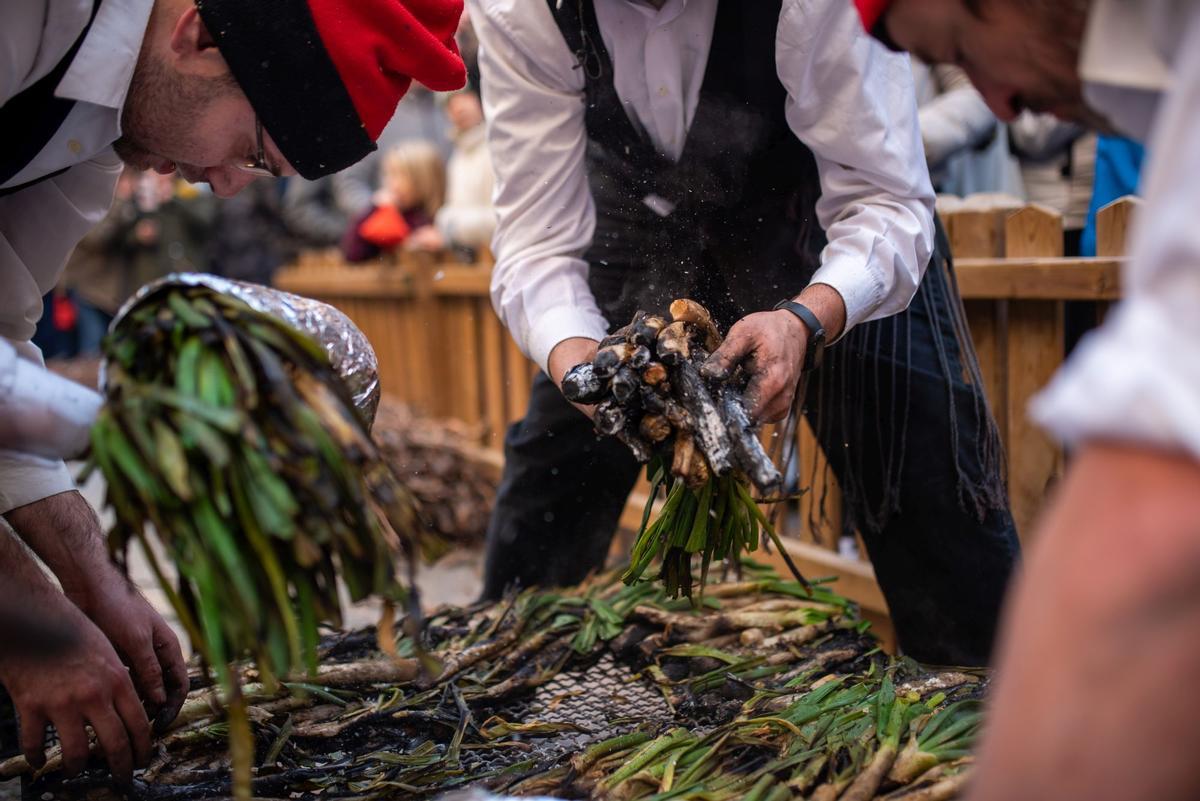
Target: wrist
(567,354)
(794,327)
(827,304)
(812,343)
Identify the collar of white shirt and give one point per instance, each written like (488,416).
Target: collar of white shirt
(103,67)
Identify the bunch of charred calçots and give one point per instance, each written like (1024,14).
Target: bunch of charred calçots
(694,433)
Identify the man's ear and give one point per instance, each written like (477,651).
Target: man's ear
(192,47)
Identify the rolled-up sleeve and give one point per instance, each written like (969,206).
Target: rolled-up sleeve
(545,212)
(853,104)
(1137,378)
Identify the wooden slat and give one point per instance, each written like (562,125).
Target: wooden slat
(1036,341)
(422,337)
(976,234)
(1033,232)
(327,282)
(820,507)
(471,369)
(471,281)
(988,321)
(1113,224)
(492,354)
(1039,278)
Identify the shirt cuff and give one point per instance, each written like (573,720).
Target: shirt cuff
(25,479)
(1135,380)
(559,324)
(861,293)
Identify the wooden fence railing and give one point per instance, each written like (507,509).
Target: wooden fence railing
(442,349)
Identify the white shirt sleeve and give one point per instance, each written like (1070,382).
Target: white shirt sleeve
(39,226)
(25,478)
(853,104)
(1137,378)
(534,106)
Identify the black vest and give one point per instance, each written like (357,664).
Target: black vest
(31,118)
(743,232)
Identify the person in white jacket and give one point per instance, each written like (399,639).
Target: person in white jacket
(467,219)
(965,145)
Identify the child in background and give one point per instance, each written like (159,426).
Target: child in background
(413,189)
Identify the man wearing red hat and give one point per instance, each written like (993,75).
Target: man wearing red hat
(1094,695)
(754,156)
(222,91)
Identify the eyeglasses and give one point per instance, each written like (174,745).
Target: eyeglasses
(259,166)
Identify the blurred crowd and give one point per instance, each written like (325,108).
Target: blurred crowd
(429,187)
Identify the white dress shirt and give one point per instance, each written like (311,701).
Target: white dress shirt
(849,100)
(40,225)
(1137,378)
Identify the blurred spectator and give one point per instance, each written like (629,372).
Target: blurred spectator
(404,208)
(249,240)
(312,214)
(1118,173)
(467,220)
(157,225)
(1058,167)
(418,118)
(965,145)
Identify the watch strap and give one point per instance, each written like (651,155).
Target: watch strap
(816,332)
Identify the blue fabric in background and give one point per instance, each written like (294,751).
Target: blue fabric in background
(1118,170)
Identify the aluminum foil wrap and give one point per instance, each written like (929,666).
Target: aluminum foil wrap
(349,351)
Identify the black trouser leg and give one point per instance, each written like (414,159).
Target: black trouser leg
(942,569)
(559,500)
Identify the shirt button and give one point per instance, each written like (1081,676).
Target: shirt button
(74,146)
(662,91)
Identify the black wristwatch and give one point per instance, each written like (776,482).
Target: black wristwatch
(816,332)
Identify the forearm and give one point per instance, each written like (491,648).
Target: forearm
(65,534)
(20,575)
(1100,646)
(28,601)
